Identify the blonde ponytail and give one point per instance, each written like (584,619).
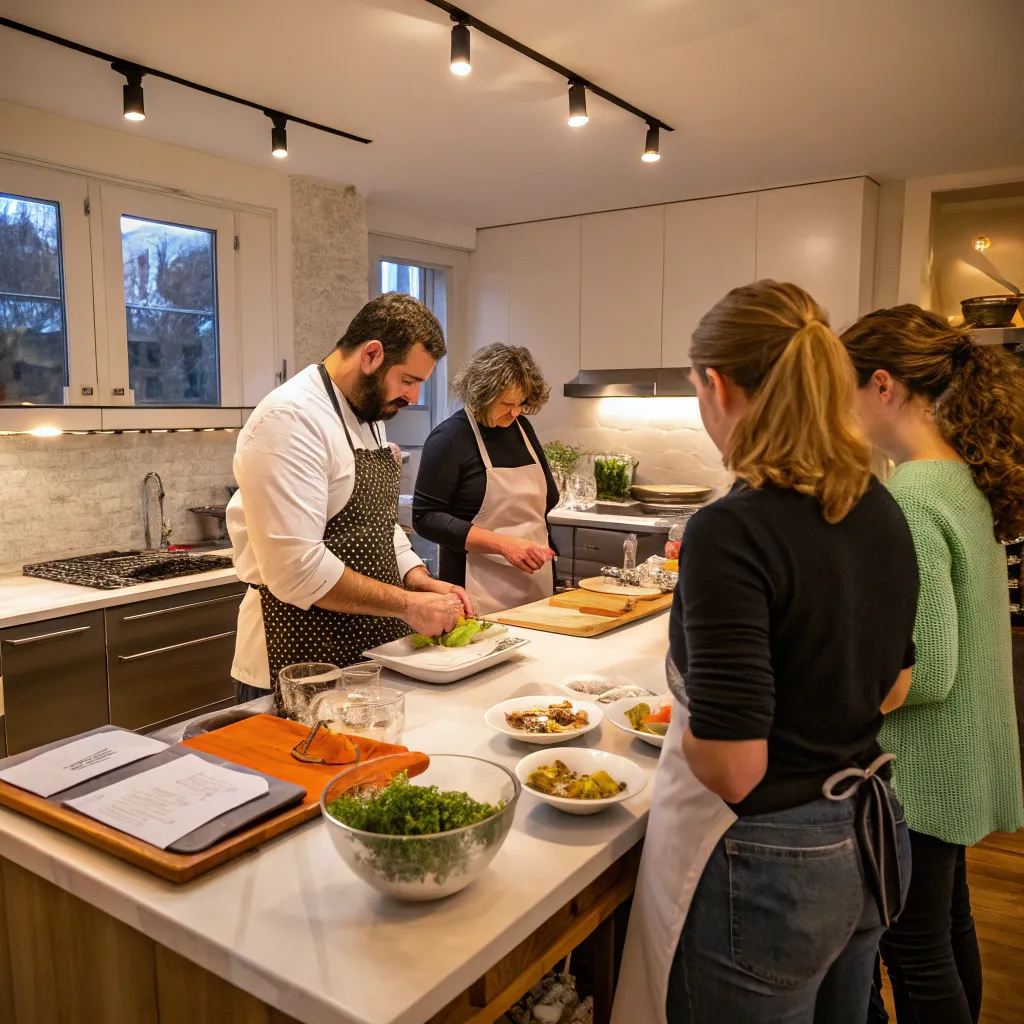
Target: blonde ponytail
(799,429)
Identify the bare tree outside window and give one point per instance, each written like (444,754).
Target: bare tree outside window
(33,335)
(170,293)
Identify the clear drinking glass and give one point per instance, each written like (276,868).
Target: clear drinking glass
(361,681)
(380,716)
(300,684)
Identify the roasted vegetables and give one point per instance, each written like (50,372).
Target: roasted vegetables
(642,719)
(466,631)
(559,780)
(554,718)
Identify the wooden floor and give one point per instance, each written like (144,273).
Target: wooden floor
(995,869)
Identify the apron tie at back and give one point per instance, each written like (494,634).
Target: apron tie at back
(876,829)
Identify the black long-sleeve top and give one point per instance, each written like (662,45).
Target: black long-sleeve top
(791,629)
(452,479)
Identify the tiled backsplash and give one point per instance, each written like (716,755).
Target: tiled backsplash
(76,494)
(665,435)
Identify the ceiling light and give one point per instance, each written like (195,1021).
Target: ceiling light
(651,153)
(134,108)
(460,49)
(981,243)
(278,135)
(577,105)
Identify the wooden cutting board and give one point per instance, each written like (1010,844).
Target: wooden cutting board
(589,603)
(262,742)
(570,621)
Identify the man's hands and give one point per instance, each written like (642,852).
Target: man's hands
(524,554)
(433,606)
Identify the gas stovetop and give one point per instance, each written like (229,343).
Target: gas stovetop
(110,570)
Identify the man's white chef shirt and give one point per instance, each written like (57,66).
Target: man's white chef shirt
(295,471)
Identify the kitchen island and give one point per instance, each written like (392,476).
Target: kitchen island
(293,928)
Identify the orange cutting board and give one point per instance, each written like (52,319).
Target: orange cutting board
(262,742)
(551,617)
(265,742)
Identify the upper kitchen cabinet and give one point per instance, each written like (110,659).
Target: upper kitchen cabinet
(822,237)
(141,308)
(621,289)
(544,297)
(489,288)
(710,248)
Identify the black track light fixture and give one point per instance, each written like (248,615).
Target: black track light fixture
(578,116)
(460,64)
(653,144)
(278,134)
(134,107)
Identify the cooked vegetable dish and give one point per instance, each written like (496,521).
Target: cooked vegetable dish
(466,631)
(559,780)
(656,724)
(554,718)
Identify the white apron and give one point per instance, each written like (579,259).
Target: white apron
(686,821)
(515,505)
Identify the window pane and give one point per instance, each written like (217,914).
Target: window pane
(398,277)
(170,292)
(33,340)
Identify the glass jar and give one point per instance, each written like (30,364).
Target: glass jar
(614,476)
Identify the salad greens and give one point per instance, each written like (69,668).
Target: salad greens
(460,636)
(402,810)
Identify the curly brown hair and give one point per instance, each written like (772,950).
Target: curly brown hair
(495,369)
(975,390)
(799,429)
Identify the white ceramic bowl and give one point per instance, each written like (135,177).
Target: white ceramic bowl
(586,761)
(495,718)
(616,714)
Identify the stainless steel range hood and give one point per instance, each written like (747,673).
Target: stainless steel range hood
(653,383)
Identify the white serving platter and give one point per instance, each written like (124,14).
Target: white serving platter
(446,664)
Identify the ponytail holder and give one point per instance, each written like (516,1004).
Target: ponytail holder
(962,353)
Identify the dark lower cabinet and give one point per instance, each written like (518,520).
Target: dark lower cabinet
(55,679)
(171,657)
(3,738)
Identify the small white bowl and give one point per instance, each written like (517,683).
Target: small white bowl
(586,761)
(616,714)
(495,718)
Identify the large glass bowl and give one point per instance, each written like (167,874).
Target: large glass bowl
(432,866)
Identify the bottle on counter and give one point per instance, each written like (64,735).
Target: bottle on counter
(672,546)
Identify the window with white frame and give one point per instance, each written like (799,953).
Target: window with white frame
(121,296)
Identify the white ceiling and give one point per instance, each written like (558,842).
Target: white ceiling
(760,92)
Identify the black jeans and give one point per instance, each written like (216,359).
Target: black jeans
(931,952)
(244,692)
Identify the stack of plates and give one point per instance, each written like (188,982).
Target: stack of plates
(677,497)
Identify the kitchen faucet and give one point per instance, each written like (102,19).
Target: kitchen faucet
(165,527)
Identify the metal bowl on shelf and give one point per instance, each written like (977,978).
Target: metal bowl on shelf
(990,310)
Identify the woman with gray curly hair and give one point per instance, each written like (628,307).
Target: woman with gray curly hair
(484,488)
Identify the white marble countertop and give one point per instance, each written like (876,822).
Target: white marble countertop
(27,599)
(292,925)
(609,520)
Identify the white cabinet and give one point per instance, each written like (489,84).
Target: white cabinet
(710,247)
(621,288)
(489,289)
(822,237)
(544,301)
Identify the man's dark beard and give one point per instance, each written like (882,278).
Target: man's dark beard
(369,400)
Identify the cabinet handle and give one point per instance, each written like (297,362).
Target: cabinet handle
(587,547)
(47,636)
(182,607)
(174,647)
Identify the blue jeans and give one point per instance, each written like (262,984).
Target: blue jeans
(783,928)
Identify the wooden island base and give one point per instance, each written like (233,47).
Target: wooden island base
(62,961)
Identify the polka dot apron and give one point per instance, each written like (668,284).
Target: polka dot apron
(362,535)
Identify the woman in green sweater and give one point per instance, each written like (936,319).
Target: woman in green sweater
(946,412)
